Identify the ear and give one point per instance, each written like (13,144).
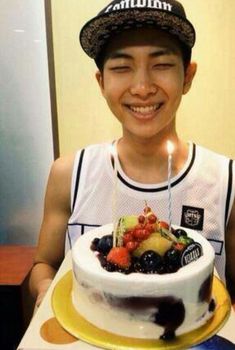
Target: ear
(100,80)
(189,75)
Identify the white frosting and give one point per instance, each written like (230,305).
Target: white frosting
(95,290)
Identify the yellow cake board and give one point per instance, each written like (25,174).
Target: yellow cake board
(76,325)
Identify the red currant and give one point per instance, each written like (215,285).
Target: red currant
(139,227)
(152,219)
(127,238)
(150,227)
(145,234)
(132,245)
(164,224)
(147,210)
(141,219)
(141,234)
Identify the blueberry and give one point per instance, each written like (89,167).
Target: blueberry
(105,244)
(137,267)
(161,269)
(172,256)
(110,267)
(172,268)
(150,261)
(180,232)
(172,260)
(94,243)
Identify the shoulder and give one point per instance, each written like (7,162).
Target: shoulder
(63,166)
(62,169)
(92,154)
(59,182)
(97,148)
(215,161)
(210,153)
(218,164)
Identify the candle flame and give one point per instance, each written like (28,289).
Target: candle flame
(170,147)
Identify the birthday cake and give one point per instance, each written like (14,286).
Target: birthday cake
(145,280)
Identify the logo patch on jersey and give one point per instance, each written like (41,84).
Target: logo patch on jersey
(192,217)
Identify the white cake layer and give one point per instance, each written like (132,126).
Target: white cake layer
(97,292)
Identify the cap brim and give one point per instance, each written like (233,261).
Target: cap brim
(98,30)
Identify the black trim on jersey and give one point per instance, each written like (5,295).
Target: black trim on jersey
(78,178)
(229,191)
(112,160)
(83,226)
(161,188)
(219,243)
(69,238)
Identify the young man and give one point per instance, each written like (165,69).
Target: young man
(143,52)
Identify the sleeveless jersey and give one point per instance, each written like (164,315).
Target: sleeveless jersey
(202,195)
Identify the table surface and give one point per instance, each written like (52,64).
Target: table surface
(15,263)
(44,332)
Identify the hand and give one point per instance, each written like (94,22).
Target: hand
(44,285)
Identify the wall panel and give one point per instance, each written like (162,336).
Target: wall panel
(26,144)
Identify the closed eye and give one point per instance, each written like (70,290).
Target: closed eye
(120,69)
(163,66)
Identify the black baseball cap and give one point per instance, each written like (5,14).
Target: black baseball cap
(120,15)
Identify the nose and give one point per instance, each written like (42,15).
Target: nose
(142,84)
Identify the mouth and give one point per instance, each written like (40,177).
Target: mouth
(145,112)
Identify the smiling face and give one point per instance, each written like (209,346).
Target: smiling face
(143,81)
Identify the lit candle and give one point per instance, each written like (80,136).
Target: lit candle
(170,149)
(113,152)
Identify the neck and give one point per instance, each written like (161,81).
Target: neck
(146,160)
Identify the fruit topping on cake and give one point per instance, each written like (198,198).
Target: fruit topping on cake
(119,256)
(145,244)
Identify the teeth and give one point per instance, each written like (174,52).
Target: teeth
(145,110)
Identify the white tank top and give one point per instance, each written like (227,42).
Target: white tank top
(202,195)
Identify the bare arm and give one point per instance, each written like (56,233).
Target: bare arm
(230,255)
(50,250)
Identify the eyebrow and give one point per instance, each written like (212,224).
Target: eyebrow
(163,52)
(158,53)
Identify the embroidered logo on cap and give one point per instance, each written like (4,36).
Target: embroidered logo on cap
(192,217)
(126,4)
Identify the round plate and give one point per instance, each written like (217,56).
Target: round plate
(76,325)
